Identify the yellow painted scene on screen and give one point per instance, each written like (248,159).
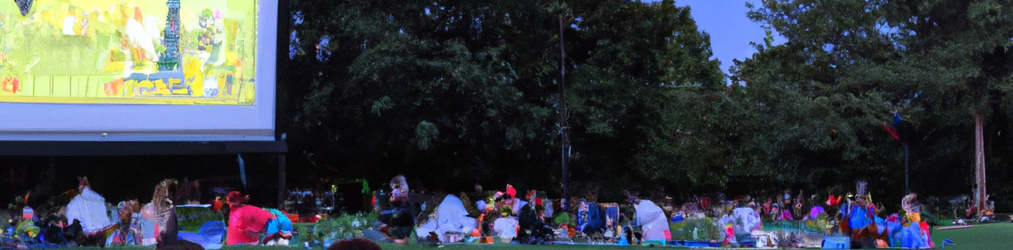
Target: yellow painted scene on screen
(177,52)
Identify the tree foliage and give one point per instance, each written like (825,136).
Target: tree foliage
(847,65)
(814,126)
(454,93)
(462,92)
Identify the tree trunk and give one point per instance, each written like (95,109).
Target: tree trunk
(980,199)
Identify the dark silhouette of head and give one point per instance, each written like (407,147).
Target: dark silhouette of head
(354,244)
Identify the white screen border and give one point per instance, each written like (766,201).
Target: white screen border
(143,122)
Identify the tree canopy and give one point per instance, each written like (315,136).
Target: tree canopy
(848,66)
(467,90)
(457,93)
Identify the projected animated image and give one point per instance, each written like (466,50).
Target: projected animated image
(180,52)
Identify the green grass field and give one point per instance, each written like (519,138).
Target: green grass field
(980,237)
(445,247)
(983,236)
(517,247)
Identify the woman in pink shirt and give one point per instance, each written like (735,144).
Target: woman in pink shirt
(246,223)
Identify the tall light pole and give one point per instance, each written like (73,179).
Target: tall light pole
(565,140)
(905,133)
(907,188)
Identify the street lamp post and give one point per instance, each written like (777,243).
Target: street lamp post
(565,140)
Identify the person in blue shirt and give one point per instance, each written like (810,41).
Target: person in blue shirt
(860,214)
(279,229)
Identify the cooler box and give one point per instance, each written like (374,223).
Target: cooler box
(836,242)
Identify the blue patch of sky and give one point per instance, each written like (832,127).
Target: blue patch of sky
(293,47)
(729,28)
(322,52)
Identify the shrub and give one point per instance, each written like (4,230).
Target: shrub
(331,230)
(697,230)
(190,219)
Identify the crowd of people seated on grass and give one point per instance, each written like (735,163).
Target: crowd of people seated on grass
(82,217)
(532,218)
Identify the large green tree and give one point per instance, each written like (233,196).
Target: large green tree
(453,93)
(813,126)
(640,73)
(822,96)
(954,64)
(422,88)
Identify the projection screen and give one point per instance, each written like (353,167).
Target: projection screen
(137,70)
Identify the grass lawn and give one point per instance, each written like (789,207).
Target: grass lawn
(518,247)
(445,247)
(416,246)
(997,235)
(980,237)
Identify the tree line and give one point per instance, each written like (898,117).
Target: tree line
(456,93)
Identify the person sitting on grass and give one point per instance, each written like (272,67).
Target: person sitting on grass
(247,223)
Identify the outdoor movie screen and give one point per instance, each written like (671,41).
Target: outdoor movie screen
(137,70)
